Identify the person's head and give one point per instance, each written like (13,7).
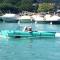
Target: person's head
(30,28)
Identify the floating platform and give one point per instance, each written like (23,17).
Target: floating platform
(19,34)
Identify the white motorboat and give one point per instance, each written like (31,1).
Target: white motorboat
(37,18)
(25,19)
(9,17)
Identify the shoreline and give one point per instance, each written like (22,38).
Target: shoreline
(37,17)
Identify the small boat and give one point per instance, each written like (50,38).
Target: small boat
(38,18)
(31,34)
(19,34)
(25,19)
(8,17)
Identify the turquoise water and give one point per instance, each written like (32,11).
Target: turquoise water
(30,48)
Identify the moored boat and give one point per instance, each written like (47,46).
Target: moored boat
(25,19)
(8,17)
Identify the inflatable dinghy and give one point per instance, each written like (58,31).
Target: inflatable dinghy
(18,34)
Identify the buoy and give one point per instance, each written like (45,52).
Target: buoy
(51,23)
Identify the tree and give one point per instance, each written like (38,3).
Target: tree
(25,5)
(34,7)
(44,7)
(6,7)
(47,1)
(1,1)
(10,1)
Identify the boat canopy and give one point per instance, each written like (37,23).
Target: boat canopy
(9,15)
(47,17)
(24,17)
(54,18)
(37,18)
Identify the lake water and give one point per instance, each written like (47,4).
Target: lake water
(30,48)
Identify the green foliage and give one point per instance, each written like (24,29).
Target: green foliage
(19,4)
(25,4)
(6,7)
(45,7)
(47,1)
(1,1)
(11,1)
(35,7)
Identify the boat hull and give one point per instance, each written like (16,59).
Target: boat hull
(20,34)
(10,20)
(31,34)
